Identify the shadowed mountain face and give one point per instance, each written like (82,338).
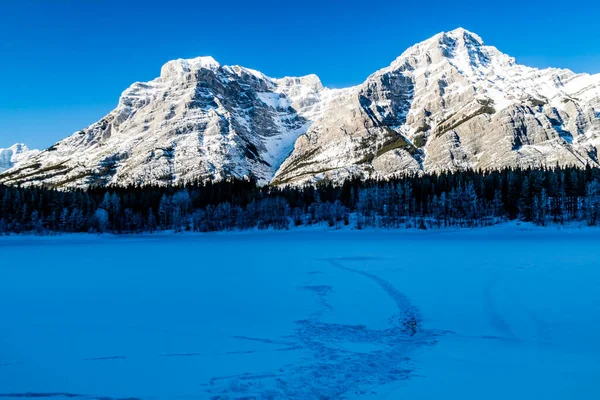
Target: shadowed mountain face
(448,103)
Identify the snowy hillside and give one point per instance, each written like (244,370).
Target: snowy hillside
(450,102)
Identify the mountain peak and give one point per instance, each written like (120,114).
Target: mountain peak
(459,45)
(18,148)
(463,34)
(16,153)
(182,66)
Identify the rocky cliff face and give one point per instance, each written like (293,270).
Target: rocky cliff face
(13,155)
(449,102)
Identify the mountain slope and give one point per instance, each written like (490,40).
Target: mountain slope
(450,102)
(15,154)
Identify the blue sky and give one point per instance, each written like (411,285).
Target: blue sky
(64,63)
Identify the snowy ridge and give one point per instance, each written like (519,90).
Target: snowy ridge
(448,103)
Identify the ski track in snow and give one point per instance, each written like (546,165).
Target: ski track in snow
(408,313)
(107,358)
(330,369)
(500,322)
(495,317)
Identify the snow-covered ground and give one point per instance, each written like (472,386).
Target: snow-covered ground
(490,313)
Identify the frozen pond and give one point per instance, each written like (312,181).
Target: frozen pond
(492,313)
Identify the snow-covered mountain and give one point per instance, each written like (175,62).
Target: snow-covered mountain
(197,121)
(450,102)
(15,154)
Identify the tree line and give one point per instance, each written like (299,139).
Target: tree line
(463,199)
